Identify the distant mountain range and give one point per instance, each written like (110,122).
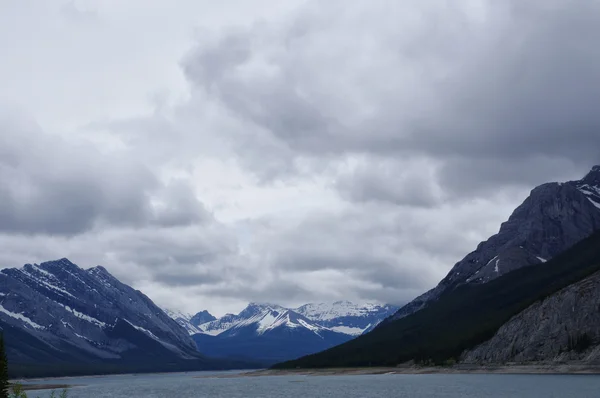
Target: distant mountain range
(269,333)
(58,319)
(528,293)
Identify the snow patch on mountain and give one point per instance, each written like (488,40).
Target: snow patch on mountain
(21,317)
(149,333)
(350,330)
(184,319)
(327,312)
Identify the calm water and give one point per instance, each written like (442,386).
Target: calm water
(412,386)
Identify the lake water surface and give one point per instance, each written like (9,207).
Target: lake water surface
(187,385)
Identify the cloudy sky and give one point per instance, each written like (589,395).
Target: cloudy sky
(215,153)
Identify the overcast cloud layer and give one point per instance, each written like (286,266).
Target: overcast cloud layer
(215,154)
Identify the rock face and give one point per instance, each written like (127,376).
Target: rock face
(57,311)
(202,317)
(564,326)
(554,217)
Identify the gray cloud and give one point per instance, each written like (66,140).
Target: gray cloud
(328,151)
(504,84)
(55,187)
(398,183)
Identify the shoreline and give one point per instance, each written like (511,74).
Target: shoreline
(36,387)
(533,369)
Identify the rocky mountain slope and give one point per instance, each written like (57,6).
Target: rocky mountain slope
(56,315)
(553,218)
(471,314)
(562,327)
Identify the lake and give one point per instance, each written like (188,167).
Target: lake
(187,385)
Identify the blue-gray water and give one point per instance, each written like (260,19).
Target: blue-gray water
(186,385)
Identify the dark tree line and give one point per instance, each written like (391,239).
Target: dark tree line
(4,385)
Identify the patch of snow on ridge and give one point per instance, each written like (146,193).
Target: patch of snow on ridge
(489,262)
(327,312)
(42,282)
(143,330)
(21,317)
(83,316)
(594,203)
(496,267)
(266,321)
(43,271)
(310,327)
(183,320)
(349,330)
(542,259)
(589,190)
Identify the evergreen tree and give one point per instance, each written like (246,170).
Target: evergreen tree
(4,393)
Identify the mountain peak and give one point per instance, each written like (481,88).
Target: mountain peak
(202,317)
(593,177)
(99,270)
(63,263)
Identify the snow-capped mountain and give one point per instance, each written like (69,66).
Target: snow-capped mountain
(202,317)
(191,323)
(59,314)
(261,319)
(182,319)
(267,333)
(590,186)
(272,333)
(342,317)
(347,317)
(553,218)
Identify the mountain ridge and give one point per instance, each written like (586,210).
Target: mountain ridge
(340,316)
(270,333)
(476,313)
(551,219)
(61,319)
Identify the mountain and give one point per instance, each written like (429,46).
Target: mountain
(202,317)
(346,317)
(544,312)
(342,317)
(188,321)
(266,333)
(553,218)
(563,327)
(58,319)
